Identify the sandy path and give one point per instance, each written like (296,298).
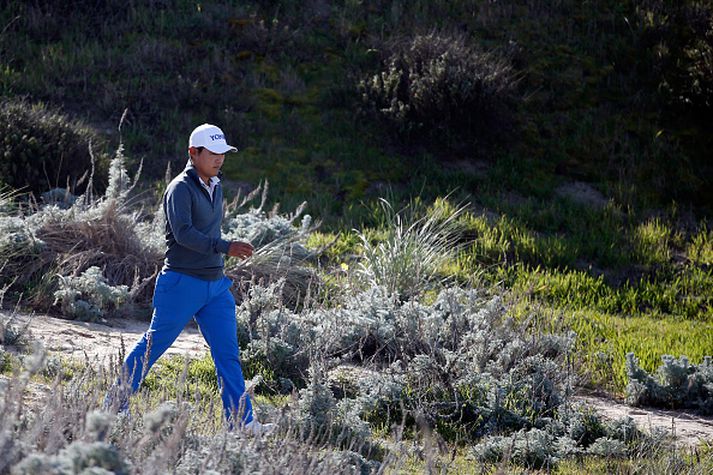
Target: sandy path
(77,339)
(689,429)
(98,340)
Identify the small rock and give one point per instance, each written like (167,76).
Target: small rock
(582,193)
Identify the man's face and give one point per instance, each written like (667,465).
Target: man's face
(206,163)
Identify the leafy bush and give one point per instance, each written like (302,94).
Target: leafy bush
(439,90)
(42,149)
(677,384)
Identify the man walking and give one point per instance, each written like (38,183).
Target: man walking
(191,283)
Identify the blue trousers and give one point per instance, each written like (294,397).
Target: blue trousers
(177,298)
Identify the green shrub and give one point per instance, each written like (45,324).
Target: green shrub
(42,149)
(438,90)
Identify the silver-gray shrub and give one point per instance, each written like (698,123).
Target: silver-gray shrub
(271,337)
(77,458)
(60,197)
(677,383)
(116,234)
(20,249)
(98,424)
(280,253)
(322,419)
(15,336)
(459,358)
(532,448)
(89,296)
(163,416)
(66,241)
(234,453)
(584,426)
(261,227)
(574,431)
(16,237)
(13,333)
(608,447)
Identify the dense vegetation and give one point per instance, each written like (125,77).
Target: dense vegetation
(569,138)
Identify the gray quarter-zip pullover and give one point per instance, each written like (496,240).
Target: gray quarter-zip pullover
(193,227)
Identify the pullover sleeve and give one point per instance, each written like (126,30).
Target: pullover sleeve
(177,204)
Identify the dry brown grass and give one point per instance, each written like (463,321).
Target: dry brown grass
(104,237)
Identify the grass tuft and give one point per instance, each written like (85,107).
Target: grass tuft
(407,259)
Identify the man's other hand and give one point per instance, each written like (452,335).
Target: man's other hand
(240,249)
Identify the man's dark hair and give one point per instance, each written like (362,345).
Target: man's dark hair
(199,149)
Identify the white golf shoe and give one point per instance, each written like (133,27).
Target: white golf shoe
(257,429)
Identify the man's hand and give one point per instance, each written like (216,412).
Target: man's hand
(240,249)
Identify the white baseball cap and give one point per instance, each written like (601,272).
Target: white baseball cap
(210,137)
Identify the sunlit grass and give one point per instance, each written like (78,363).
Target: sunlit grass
(700,249)
(683,460)
(653,241)
(413,249)
(685,293)
(604,339)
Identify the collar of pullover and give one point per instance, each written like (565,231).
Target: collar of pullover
(191,172)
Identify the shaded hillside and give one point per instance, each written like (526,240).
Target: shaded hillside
(615,93)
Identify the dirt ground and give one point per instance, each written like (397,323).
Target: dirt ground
(98,340)
(689,428)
